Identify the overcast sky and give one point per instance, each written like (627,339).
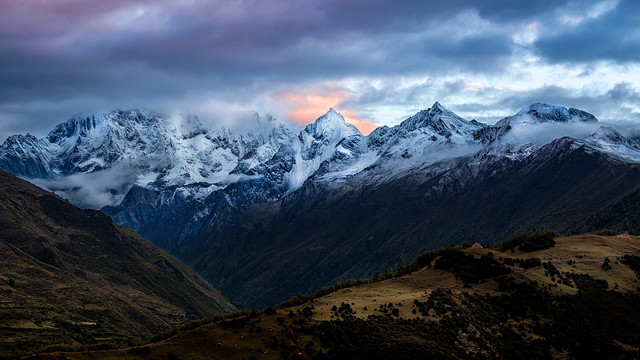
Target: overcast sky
(375,61)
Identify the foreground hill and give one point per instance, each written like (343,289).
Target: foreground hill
(71,276)
(575,300)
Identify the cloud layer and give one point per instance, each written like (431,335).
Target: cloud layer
(376,61)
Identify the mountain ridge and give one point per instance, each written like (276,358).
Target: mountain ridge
(402,187)
(66,150)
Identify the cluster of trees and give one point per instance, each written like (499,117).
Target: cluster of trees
(531,241)
(596,323)
(469,268)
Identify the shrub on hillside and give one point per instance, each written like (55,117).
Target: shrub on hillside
(470,269)
(633,262)
(605,232)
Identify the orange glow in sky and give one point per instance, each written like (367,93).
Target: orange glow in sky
(306,105)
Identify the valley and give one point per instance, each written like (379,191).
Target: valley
(266,212)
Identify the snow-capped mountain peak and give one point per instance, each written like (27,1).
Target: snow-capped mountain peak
(318,142)
(533,120)
(178,154)
(332,124)
(609,140)
(541,112)
(541,108)
(440,120)
(424,134)
(73,126)
(609,134)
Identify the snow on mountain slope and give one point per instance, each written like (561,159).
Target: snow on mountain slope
(609,140)
(414,135)
(429,136)
(540,112)
(328,138)
(432,135)
(517,136)
(111,153)
(26,155)
(102,157)
(532,118)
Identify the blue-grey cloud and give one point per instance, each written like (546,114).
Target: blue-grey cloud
(78,56)
(613,105)
(615,36)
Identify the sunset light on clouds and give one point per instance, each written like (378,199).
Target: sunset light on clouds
(306,105)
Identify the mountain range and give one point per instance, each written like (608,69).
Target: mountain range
(264,212)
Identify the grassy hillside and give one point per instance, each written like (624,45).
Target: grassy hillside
(71,278)
(574,300)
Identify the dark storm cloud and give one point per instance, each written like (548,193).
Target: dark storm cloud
(613,36)
(291,41)
(213,41)
(77,56)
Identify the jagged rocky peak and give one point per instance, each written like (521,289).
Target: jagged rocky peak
(439,118)
(72,127)
(133,115)
(117,120)
(18,140)
(24,155)
(551,113)
(331,124)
